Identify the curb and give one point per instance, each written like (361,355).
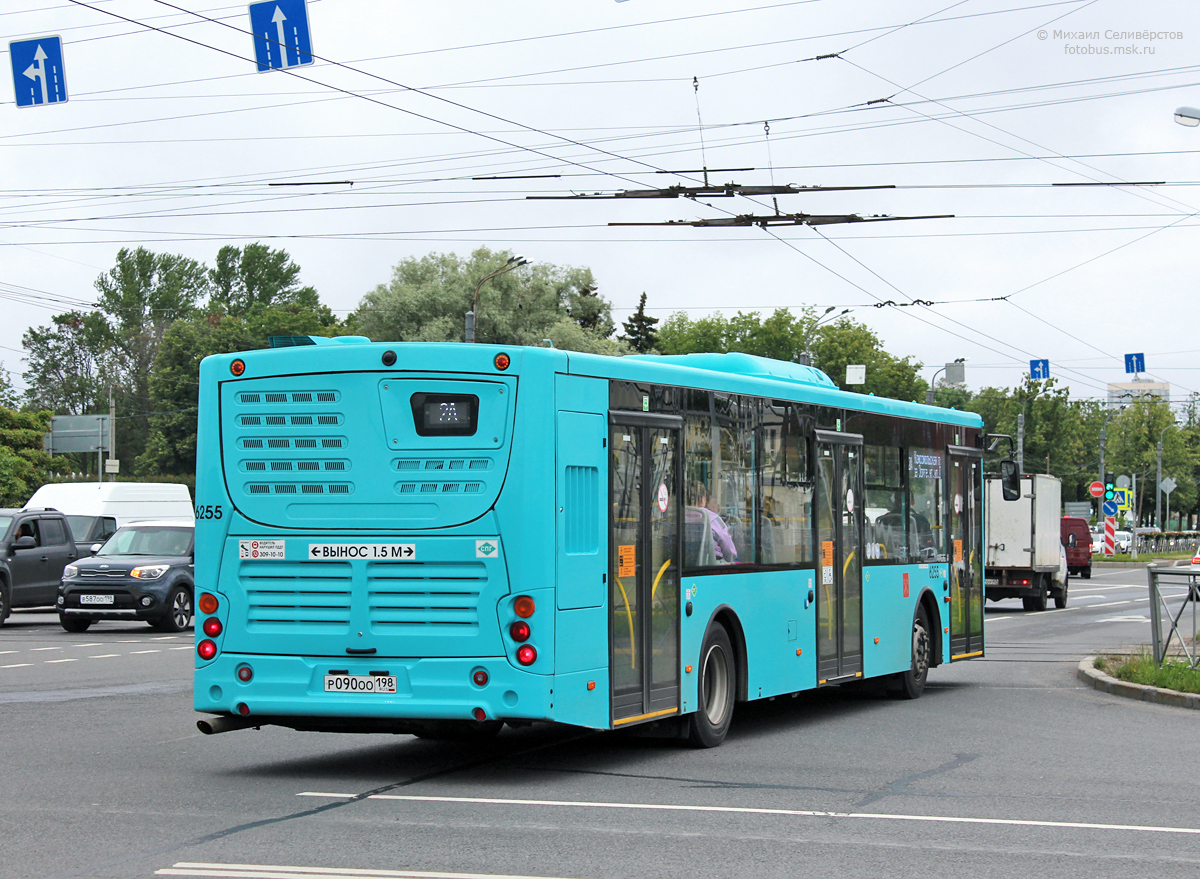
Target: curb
(1107,684)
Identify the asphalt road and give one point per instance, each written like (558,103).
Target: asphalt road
(1007,766)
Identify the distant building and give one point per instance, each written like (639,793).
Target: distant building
(1121,394)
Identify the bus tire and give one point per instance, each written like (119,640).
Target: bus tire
(912,682)
(716,689)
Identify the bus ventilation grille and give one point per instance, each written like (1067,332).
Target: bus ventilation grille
(255,398)
(295,466)
(426,464)
(298,488)
(425,596)
(295,442)
(439,487)
(296,595)
(321,419)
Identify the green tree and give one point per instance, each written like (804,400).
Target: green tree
(847,341)
(639,330)
(24,465)
(1132,449)
(255,276)
(782,336)
(140,297)
(69,364)
(9,398)
(428,298)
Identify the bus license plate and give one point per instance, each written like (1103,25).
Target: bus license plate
(360,683)
(95,599)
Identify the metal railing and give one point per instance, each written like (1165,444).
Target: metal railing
(1161,612)
(1156,543)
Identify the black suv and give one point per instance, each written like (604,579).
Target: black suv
(144,572)
(35,546)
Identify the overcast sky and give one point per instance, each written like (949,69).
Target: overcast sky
(172,140)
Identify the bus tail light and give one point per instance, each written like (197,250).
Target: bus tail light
(519,631)
(212,627)
(207,649)
(208,603)
(245,673)
(524,607)
(479,714)
(526,654)
(480,677)
(243,709)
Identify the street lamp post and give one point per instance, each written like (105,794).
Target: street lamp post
(513,262)
(933,381)
(806,355)
(1158,481)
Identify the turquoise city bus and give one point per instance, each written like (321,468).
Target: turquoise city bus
(442,538)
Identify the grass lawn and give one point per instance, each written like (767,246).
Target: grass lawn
(1139,668)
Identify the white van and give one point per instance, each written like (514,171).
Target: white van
(95,510)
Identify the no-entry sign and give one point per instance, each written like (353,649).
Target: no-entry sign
(1096,489)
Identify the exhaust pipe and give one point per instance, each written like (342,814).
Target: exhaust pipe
(210,726)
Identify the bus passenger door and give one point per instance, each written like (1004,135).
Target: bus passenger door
(645,562)
(965,513)
(839,554)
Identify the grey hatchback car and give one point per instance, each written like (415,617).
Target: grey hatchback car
(144,571)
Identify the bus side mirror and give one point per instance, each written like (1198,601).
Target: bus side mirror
(1010,480)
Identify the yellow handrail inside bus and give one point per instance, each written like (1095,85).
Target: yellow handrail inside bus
(629,615)
(658,577)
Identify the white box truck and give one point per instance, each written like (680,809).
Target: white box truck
(1024,542)
(94,510)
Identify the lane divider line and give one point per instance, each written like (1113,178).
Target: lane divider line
(798,813)
(267,871)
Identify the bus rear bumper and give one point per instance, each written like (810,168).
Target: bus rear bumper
(282,689)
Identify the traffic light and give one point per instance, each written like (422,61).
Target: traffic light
(1110,487)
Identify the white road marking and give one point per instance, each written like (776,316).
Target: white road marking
(138,652)
(36,649)
(52,661)
(1111,603)
(180,648)
(3,652)
(1124,620)
(104,656)
(17,665)
(745,810)
(270,871)
(93,644)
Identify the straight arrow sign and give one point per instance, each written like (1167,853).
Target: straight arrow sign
(281,34)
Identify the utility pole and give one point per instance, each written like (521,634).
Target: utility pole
(1021,443)
(112,427)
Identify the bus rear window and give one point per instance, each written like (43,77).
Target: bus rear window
(445,414)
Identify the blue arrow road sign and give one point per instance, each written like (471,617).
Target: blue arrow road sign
(281,37)
(1135,363)
(38,74)
(1039,369)
(1110,508)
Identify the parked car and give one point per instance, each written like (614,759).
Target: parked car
(1077,540)
(35,546)
(1124,541)
(144,571)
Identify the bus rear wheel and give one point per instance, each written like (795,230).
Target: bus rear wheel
(716,689)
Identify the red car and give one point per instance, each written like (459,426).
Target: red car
(1077,538)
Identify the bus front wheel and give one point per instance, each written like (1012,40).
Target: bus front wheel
(912,682)
(716,689)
